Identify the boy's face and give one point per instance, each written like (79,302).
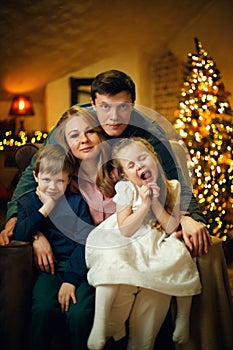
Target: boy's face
(113,112)
(52,185)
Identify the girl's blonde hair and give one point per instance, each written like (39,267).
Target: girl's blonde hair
(166,196)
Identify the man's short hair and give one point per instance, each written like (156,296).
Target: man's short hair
(112,82)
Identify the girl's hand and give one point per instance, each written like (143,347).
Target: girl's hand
(66,292)
(155,190)
(145,193)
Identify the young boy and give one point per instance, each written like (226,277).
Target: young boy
(56,212)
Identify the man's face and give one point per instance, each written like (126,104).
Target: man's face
(113,112)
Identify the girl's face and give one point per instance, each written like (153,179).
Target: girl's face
(139,164)
(81,138)
(52,185)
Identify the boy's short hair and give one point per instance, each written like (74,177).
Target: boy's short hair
(112,82)
(53,159)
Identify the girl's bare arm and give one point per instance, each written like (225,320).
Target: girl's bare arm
(130,221)
(169,222)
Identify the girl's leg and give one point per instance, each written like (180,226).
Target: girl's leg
(181,332)
(104,297)
(120,311)
(148,313)
(113,306)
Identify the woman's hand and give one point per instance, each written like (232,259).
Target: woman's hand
(66,292)
(43,254)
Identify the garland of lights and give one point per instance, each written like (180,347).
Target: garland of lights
(11,141)
(205,125)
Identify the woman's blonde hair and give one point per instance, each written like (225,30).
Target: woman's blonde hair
(92,121)
(72,112)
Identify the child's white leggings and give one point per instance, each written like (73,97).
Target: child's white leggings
(145,308)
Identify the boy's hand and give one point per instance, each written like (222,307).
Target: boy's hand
(66,292)
(48,202)
(44,198)
(43,254)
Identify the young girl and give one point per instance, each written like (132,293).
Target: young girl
(135,260)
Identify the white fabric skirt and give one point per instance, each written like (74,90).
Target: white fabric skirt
(149,259)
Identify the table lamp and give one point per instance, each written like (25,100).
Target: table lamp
(21,106)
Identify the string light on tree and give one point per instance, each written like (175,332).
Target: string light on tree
(205,125)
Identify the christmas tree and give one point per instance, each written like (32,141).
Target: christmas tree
(205,125)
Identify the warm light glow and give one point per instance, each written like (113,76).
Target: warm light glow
(21,105)
(205,125)
(11,141)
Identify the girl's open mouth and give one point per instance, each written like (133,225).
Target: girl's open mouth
(145,176)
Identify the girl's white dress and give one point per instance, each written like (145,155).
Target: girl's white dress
(149,259)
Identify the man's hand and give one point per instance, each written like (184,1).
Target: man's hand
(43,254)
(7,232)
(195,235)
(66,292)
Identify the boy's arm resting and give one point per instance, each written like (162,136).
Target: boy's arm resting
(43,254)
(76,269)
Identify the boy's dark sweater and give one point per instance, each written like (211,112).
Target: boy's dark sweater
(66,229)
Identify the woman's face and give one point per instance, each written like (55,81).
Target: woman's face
(82,139)
(139,164)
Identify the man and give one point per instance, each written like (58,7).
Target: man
(113,96)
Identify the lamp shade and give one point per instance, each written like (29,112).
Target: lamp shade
(21,105)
